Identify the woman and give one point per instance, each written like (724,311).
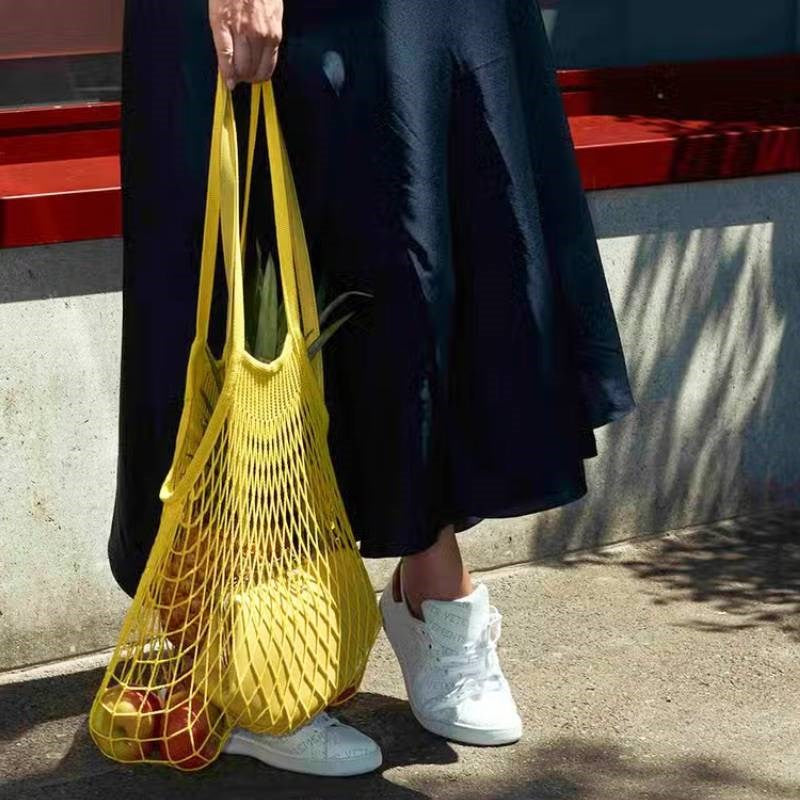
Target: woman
(436,171)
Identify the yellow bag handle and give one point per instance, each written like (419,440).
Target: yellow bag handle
(222,210)
(262,98)
(210,228)
(222,206)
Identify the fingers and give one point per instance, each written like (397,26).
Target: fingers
(269,58)
(224,45)
(254,58)
(247,36)
(246,56)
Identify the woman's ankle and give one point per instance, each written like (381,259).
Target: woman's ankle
(437,573)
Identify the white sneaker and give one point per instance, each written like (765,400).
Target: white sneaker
(324,746)
(453,678)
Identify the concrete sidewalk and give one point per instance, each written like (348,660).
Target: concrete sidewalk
(660,670)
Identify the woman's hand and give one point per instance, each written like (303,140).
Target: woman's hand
(247,34)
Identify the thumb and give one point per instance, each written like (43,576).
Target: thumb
(223,42)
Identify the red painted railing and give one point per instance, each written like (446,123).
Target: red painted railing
(59,175)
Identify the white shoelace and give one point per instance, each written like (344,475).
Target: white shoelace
(475,667)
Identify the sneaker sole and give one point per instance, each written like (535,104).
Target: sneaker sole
(329,769)
(482,737)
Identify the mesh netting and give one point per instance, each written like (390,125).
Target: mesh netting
(255,608)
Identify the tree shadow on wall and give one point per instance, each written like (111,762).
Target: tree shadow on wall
(708,314)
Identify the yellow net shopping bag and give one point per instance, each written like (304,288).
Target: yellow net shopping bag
(255,608)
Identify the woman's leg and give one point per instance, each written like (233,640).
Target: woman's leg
(437,573)
(444,632)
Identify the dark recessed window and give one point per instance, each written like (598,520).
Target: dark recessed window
(609,33)
(56,52)
(67,51)
(56,80)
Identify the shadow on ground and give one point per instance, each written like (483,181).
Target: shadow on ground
(749,569)
(82,772)
(576,769)
(561,769)
(34,703)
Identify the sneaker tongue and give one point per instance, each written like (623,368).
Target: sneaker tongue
(454,622)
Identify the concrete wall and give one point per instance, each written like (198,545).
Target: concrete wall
(705,281)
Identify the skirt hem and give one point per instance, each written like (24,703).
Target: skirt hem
(464,522)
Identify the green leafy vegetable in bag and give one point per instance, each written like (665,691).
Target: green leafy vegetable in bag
(265,328)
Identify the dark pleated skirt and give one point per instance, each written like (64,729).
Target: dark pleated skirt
(436,171)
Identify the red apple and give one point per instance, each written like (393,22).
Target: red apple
(126,723)
(190,741)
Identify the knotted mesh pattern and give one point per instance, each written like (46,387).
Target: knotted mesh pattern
(255,608)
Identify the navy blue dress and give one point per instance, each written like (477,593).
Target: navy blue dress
(436,171)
